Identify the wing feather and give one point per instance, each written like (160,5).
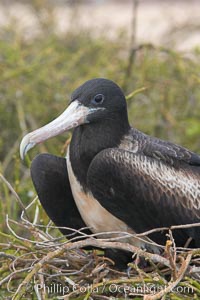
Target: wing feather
(145,192)
(170,153)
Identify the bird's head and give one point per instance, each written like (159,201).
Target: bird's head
(95,101)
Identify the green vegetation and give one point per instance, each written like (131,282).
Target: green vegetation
(38,76)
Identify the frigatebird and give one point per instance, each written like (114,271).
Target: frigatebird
(114,177)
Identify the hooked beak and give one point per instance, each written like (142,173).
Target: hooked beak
(75,115)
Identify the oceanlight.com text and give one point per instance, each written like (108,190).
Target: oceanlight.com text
(59,289)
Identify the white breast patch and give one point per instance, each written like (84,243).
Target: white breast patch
(94,215)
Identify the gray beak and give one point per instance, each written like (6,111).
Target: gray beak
(75,115)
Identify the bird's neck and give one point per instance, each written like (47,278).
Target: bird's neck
(88,140)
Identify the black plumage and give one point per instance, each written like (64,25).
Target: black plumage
(50,178)
(115,172)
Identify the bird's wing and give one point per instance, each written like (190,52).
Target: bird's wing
(50,178)
(170,153)
(144,192)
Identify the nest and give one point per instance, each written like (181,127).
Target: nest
(37,262)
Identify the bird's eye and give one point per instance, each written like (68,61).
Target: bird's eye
(98,99)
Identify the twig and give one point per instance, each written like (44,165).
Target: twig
(168,252)
(183,226)
(2,254)
(14,194)
(81,244)
(173,284)
(19,237)
(9,155)
(133,43)
(135,92)
(12,274)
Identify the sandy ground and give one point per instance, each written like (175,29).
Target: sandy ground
(158,22)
